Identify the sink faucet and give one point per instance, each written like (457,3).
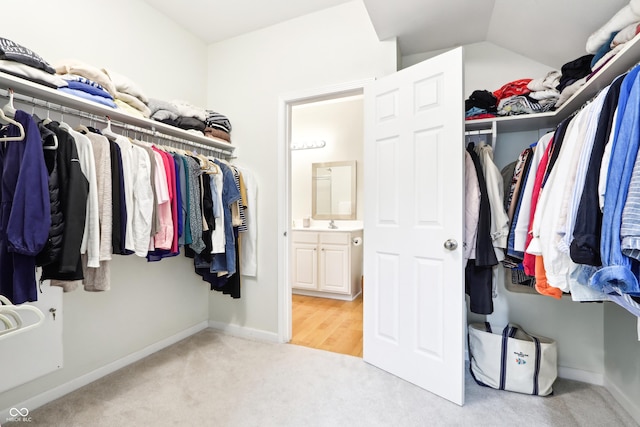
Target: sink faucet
(332,225)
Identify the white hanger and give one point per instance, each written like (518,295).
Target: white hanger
(107,131)
(54,146)
(9,109)
(9,118)
(9,325)
(13,310)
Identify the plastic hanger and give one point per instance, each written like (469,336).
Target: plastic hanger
(55,143)
(11,121)
(9,325)
(14,311)
(9,109)
(108,131)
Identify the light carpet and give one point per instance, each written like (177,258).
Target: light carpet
(212,379)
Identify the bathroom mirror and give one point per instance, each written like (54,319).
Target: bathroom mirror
(333,191)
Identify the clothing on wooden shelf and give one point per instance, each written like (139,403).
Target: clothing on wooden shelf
(109,194)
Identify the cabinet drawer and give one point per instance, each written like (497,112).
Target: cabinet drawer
(335,238)
(305,236)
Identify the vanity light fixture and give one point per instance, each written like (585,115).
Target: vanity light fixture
(307,145)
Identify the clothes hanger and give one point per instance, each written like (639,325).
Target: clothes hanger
(108,131)
(9,308)
(48,119)
(54,146)
(4,117)
(9,109)
(10,326)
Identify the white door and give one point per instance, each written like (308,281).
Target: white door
(414,307)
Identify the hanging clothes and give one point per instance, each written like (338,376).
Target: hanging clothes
(25,208)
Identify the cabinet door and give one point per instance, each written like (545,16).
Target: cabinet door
(334,268)
(305,266)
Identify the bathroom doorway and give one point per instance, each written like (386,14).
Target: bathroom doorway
(325,254)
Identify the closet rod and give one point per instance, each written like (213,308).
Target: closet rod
(51,106)
(478,132)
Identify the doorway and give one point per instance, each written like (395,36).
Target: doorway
(321,126)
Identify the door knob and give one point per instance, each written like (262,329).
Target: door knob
(450,244)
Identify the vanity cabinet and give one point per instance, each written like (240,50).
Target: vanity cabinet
(327,263)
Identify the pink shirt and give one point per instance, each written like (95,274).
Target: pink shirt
(164,238)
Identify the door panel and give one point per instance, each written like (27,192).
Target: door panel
(305,266)
(334,268)
(414,310)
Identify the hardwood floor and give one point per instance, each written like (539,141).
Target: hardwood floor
(328,324)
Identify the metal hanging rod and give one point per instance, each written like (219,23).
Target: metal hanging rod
(51,106)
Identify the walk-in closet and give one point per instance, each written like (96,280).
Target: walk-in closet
(161,210)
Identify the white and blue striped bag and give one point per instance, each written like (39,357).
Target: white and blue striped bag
(513,360)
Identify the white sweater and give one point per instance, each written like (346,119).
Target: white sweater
(472,208)
(495,192)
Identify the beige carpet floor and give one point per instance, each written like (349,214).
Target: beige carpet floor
(212,379)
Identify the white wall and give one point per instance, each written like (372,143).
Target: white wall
(341,125)
(148,303)
(622,365)
(128,36)
(488,66)
(247,75)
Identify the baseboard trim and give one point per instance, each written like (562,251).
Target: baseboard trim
(631,407)
(76,383)
(580,375)
(244,332)
(341,297)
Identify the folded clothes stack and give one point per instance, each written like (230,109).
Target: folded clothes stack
(129,97)
(194,119)
(92,74)
(217,126)
(543,89)
(85,88)
(20,61)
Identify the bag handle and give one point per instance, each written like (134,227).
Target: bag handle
(509,332)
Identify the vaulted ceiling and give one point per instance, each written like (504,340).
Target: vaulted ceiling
(549,31)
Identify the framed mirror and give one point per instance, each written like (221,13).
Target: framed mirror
(333,192)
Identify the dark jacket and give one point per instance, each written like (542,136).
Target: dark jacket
(74,189)
(53,247)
